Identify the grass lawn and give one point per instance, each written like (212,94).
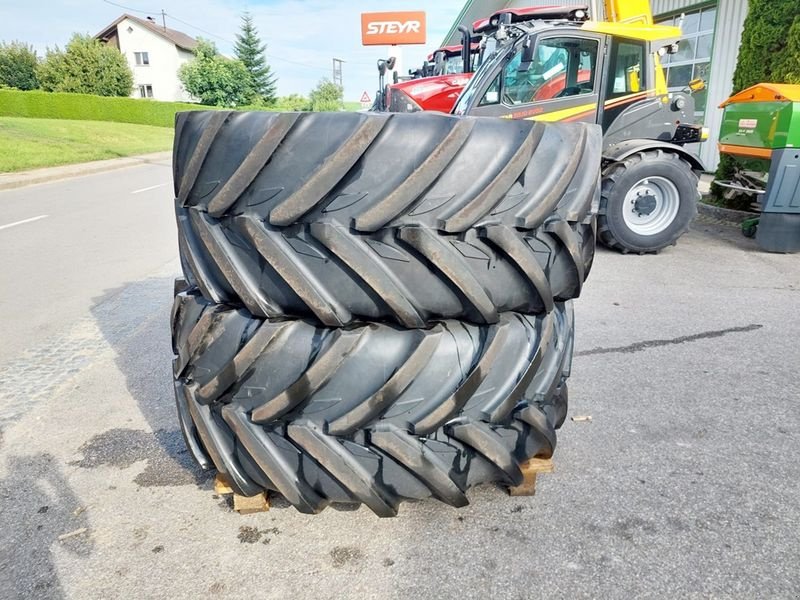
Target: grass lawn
(32,143)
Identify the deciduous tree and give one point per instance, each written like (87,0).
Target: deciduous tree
(214,79)
(18,64)
(86,66)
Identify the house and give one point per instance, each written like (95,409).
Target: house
(154,52)
(712,32)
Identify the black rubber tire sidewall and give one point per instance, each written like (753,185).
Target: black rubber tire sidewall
(668,166)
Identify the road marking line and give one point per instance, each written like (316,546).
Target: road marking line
(23,221)
(147,189)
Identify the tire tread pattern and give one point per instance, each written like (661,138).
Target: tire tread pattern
(258,400)
(291,215)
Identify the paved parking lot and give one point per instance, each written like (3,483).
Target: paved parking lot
(683,484)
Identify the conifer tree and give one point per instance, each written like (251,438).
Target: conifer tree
(250,50)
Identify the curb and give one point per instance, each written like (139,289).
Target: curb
(727,215)
(10,181)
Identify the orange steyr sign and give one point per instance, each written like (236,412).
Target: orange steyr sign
(390,28)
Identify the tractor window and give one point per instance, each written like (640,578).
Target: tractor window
(627,69)
(492,95)
(561,67)
(454,64)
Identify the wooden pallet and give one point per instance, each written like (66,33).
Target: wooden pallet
(530,469)
(244,505)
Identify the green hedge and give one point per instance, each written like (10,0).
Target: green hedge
(85,107)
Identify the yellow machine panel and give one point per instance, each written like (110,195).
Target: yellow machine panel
(629,11)
(647,33)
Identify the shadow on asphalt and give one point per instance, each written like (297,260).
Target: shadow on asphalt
(134,320)
(38,506)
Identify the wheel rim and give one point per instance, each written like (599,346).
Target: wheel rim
(651,205)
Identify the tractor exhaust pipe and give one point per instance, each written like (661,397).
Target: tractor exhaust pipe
(466,48)
(380,100)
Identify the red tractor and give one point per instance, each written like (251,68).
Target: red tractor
(446,73)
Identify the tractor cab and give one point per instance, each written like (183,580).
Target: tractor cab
(449,60)
(555,64)
(442,88)
(437,85)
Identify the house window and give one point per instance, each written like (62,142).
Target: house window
(146,90)
(693,59)
(142,59)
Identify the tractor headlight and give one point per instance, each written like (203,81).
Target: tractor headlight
(400,102)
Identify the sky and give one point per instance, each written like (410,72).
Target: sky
(302,35)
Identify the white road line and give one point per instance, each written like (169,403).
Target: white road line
(147,189)
(23,221)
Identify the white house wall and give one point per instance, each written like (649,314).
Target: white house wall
(165,59)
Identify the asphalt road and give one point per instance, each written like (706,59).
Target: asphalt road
(65,243)
(683,484)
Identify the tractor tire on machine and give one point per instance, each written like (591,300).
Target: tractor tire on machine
(647,202)
(377,307)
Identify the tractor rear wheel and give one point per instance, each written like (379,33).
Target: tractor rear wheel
(647,202)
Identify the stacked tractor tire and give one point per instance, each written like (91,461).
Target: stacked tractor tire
(377,307)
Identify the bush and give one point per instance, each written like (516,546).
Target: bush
(764,42)
(18,64)
(86,66)
(327,96)
(788,70)
(292,103)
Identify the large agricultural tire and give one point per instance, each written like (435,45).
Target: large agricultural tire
(371,414)
(647,202)
(364,217)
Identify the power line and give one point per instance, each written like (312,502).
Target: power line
(136,10)
(269,55)
(219,37)
(293,62)
(214,35)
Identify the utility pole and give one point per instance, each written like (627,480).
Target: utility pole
(164,19)
(337,75)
